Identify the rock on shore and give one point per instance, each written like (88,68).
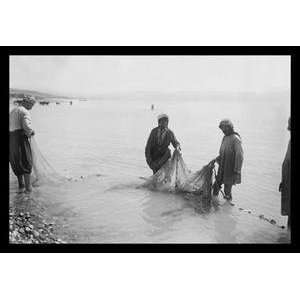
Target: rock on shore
(27,227)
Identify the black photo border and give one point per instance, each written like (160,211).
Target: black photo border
(6,51)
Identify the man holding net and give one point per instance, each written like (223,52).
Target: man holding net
(157,150)
(20,131)
(230,160)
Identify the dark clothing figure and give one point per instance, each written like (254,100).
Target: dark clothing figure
(230,159)
(157,150)
(285,186)
(20,130)
(20,156)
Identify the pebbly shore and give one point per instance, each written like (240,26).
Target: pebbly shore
(29,224)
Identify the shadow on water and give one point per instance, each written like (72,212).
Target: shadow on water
(171,215)
(175,214)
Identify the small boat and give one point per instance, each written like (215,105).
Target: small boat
(44,102)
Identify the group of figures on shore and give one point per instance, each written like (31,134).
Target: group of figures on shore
(157,152)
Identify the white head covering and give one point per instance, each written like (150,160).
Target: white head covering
(161,116)
(226,122)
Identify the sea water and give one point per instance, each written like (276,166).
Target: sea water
(100,145)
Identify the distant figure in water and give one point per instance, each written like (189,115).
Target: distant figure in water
(285,185)
(71,102)
(152,107)
(20,131)
(157,150)
(230,160)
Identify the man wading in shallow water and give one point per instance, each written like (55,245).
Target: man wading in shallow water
(20,131)
(230,160)
(157,152)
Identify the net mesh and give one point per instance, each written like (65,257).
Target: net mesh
(174,176)
(42,171)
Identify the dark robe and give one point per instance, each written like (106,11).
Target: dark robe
(157,150)
(286,183)
(230,160)
(20,156)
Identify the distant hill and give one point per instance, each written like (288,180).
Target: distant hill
(36,94)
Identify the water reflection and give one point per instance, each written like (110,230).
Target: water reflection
(225,225)
(127,214)
(161,212)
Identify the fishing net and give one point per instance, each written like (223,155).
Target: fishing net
(174,176)
(42,171)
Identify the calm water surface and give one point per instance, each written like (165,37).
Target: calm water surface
(104,142)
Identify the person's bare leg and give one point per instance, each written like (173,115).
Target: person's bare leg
(21,184)
(227,191)
(21,181)
(27,183)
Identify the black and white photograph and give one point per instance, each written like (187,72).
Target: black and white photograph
(184,149)
(147,149)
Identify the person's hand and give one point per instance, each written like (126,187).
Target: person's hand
(32,133)
(216,188)
(280,187)
(178,148)
(212,161)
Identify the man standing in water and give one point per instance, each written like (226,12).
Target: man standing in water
(157,150)
(20,131)
(230,160)
(285,185)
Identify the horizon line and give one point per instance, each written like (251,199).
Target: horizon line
(53,93)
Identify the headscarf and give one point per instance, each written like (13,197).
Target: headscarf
(228,123)
(161,116)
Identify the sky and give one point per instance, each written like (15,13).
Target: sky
(95,75)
